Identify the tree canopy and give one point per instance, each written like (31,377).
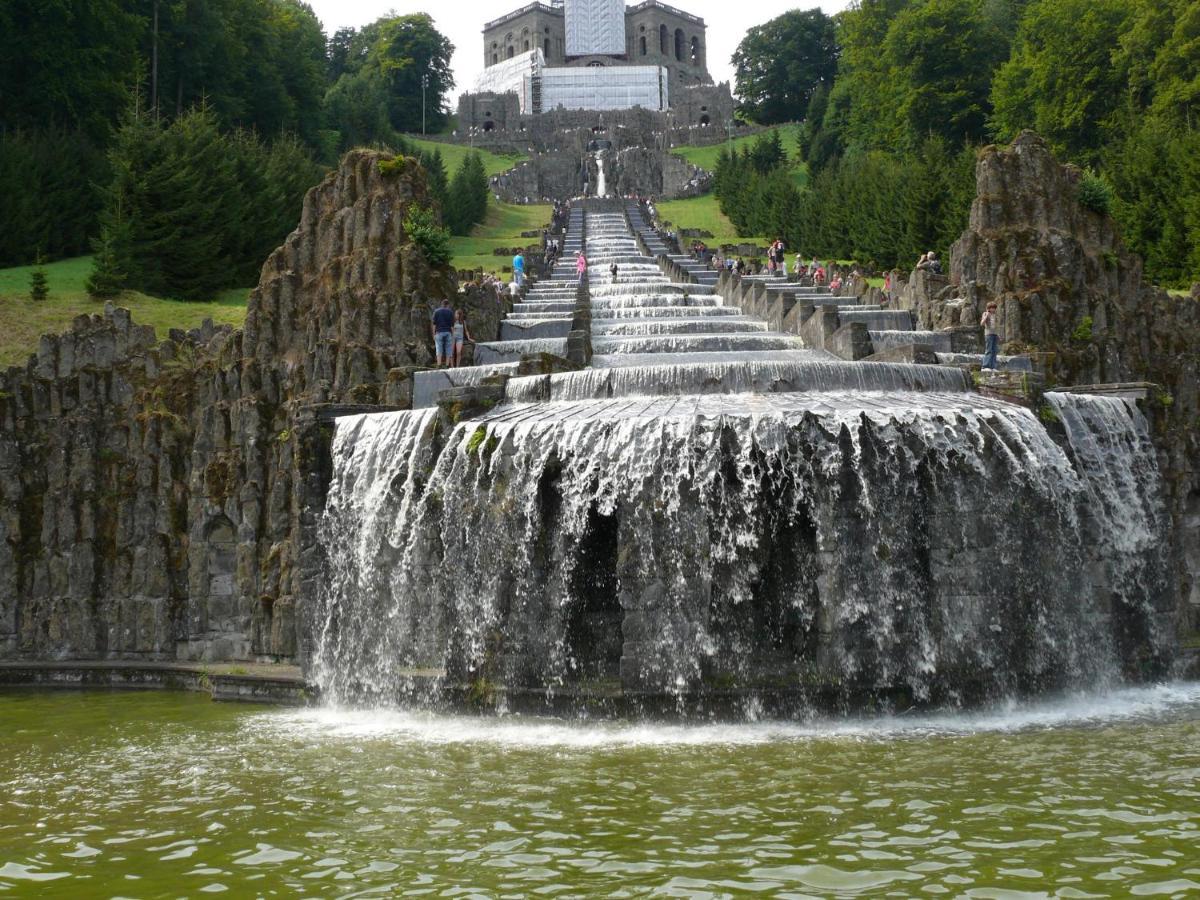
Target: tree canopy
(1114,85)
(781,63)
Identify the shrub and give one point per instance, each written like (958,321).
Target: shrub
(432,240)
(39,287)
(1083,331)
(1095,193)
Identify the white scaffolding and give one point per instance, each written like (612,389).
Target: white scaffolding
(604,87)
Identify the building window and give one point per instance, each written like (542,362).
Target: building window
(643,42)
(679,44)
(527,46)
(695,51)
(510,52)
(662,39)
(546,47)
(495,58)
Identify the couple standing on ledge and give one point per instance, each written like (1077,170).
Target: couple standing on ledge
(450,334)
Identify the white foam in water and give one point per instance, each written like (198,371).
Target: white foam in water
(1124,705)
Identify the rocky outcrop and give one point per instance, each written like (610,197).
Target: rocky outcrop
(150,492)
(1066,286)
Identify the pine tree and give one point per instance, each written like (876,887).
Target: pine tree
(467,197)
(107,279)
(39,288)
(435,174)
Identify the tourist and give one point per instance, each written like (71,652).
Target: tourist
(741,266)
(462,334)
(991,338)
(929,262)
(581,265)
(798,265)
(779,257)
(836,284)
(443,333)
(518,269)
(612,270)
(818,274)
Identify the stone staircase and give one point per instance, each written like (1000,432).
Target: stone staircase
(668,309)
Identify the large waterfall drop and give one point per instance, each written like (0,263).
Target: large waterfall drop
(738,515)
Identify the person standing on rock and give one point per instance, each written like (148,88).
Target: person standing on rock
(991,338)
(581,266)
(462,334)
(443,333)
(518,269)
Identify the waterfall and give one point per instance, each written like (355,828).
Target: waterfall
(712,507)
(1109,439)
(935,542)
(601,175)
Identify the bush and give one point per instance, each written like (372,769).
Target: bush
(424,231)
(1083,331)
(39,288)
(1095,193)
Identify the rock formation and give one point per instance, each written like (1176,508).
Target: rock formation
(1066,286)
(150,491)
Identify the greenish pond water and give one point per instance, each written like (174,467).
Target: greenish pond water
(166,795)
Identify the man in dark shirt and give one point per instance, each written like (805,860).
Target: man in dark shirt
(443,333)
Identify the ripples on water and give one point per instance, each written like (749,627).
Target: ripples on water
(164,795)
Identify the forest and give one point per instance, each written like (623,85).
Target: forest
(895,96)
(175,139)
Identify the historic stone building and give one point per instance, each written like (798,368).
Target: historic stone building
(655,34)
(594,55)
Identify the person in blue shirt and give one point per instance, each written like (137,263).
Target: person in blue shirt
(443,333)
(518,269)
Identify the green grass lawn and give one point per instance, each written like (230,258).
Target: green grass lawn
(703,212)
(23,321)
(706,157)
(501,228)
(454,154)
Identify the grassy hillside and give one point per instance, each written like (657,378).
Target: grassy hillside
(501,228)
(703,212)
(454,154)
(706,157)
(22,321)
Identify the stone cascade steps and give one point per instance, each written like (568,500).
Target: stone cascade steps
(628,318)
(659,315)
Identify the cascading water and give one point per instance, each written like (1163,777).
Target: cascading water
(601,175)
(761,521)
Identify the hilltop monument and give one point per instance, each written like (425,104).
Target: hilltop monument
(594,55)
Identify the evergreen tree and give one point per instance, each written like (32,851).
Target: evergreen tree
(39,287)
(467,197)
(106,279)
(435,174)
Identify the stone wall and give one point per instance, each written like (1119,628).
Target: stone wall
(150,490)
(1067,287)
(700,115)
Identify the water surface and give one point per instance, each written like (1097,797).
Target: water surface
(152,795)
